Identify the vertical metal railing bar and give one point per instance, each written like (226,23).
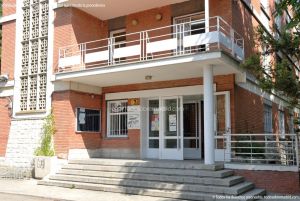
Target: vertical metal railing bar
(297,149)
(218,30)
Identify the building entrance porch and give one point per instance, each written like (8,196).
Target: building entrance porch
(174,127)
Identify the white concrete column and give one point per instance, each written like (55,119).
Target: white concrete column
(209,141)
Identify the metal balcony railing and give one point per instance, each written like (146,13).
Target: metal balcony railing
(267,149)
(163,42)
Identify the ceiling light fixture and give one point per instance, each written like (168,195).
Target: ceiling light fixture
(148,77)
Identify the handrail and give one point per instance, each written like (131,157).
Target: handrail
(141,46)
(267,149)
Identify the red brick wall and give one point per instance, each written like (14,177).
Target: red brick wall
(223,83)
(8,7)
(244,24)
(146,19)
(73,26)
(8,48)
(64,104)
(86,27)
(249,111)
(221,8)
(4,125)
(132,141)
(275,120)
(273,181)
(64,109)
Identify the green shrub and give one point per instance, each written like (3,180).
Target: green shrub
(47,148)
(257,148)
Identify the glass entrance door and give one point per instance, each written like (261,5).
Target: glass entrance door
(222,125)
(164,128)
(171,130)
(153,129)
(191,130)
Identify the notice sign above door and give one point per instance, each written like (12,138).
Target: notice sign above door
(133,116)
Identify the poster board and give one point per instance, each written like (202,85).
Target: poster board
(172,123)
(133,116)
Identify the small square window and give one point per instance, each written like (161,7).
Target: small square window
(88,120)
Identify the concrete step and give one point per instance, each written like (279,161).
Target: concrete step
(190,165)
(147,170)
(228,181)
(255,194)
(233,190)
(140,191)
(188,180)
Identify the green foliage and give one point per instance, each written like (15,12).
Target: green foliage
(46,148)
(279,76)
(244,148)
(1,8)
(293,5)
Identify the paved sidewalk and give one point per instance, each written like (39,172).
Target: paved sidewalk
(30,187)
(16,197)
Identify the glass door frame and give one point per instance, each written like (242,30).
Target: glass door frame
(172,153)
(198,131)
(152,152)
(161,152)
(223,154)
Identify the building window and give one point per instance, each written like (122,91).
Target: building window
(189,25)
(266,62)
(265,18)
(278,21)
(268,119)
(117,118)
(281,124)
(88,120)
(119,41)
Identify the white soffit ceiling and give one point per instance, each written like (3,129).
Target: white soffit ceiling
(109,9)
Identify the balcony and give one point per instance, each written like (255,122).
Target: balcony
(166,53)
(164,42)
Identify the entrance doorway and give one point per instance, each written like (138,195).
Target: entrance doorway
(175,127)
(164,130)
(192,128)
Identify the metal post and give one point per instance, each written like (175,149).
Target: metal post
(218,30)
(251,158)
(232,41)
(297,149)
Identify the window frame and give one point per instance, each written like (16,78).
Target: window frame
(117,45)
(76,119)
(118,31)
(108,115)
(188,17)
(268,124)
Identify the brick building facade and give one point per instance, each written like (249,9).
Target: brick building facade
(87,81)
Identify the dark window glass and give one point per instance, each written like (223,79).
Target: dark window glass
(88,120)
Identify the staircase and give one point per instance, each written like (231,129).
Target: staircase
(188,180)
